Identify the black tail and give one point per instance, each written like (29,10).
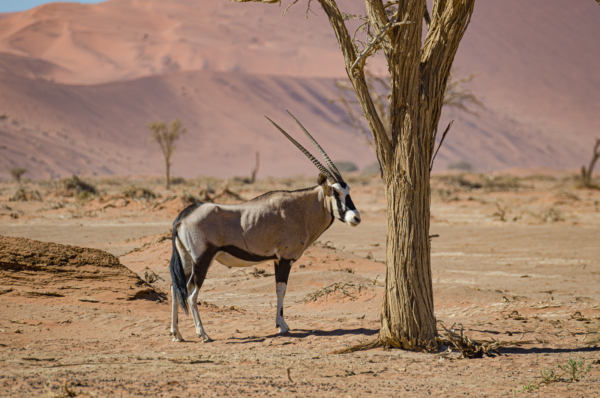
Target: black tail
(178,276)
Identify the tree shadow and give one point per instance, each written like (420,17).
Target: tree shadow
(542,350)
(302,333)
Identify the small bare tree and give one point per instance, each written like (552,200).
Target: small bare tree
(586,174)
(17,172)
(165,136)
(455,97)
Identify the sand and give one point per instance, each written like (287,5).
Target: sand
(532,277)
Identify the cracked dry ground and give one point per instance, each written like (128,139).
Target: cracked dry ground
(512,281)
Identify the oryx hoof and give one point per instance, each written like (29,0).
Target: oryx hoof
(283,329)
(205,338)
(177,337)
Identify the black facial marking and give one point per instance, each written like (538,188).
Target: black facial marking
(343,185)
(349,203)
(341,209)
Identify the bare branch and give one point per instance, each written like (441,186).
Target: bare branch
(374,43)
(357,78)
(439,146)
(288,7)
(257,1)
(457,97)
(428,18)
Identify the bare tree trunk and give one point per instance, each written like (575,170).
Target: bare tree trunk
(168,174)
(407,317)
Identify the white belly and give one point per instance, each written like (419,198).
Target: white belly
(230,261)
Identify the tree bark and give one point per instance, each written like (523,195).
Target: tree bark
(168,167)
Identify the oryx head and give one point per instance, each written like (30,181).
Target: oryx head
(335,188)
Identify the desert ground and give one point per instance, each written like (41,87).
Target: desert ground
(516,260)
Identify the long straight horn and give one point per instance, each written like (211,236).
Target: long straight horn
(321,168)
(331,165)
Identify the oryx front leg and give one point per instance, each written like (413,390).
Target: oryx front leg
(282,273)
(174,317)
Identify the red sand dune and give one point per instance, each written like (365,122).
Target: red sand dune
(80,82)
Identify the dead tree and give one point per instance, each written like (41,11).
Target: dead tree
(17,172)
(165,136)
(379,87)
(419,70)
(586,174)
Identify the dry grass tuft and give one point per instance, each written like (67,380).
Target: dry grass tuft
(344,288)
(26,195)
(140,193)
(74,186)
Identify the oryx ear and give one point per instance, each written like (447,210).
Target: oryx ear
(322,180)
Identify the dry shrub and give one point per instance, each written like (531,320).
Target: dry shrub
(550,214)
(458,181)
(26,195)
(74,186)
(135,192)
(501,183)
(344,288)
(189,199)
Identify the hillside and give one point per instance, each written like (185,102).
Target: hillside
(79,83)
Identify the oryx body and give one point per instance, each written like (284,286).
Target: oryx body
(277,226)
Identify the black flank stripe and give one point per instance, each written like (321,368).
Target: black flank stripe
(245,255)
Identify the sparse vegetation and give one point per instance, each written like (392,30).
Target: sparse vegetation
(74,186)
(165,136)
(574,369)
(136,192)
(379,88)
(26,195)
(371,169)
(17,172)
(346,167)
(460,165)
(345,289)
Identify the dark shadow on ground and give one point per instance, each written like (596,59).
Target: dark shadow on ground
(302,333)
(543,350)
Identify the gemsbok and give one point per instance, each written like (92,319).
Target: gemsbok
(278,225)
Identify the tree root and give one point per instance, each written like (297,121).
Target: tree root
(456,343)
(403,344)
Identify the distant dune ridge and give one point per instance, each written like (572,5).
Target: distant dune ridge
(80,82)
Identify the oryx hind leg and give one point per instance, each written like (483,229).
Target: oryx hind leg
(174,317)
(196,273)
(187,263)
(201,266)
(282,273)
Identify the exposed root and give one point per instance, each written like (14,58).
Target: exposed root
(360,347)
(472,348)
(456,342)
